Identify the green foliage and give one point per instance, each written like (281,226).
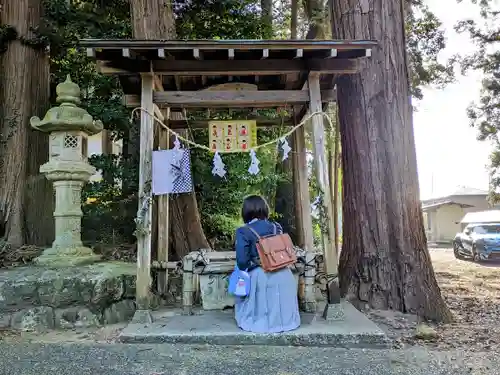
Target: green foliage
(425,40)
(108,217)
(485,114)
(219,19)
(110,204)
(222,197)
(7,35)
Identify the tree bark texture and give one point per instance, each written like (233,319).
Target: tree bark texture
(154,19)
(384,261)
(24,80)
(267,13)
(39,191)
(294,15)
(315,11)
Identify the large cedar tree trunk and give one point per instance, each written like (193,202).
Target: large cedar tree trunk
(25,195)
(267,13)
(315,11)
(154,19)
(384,261)
(40,197)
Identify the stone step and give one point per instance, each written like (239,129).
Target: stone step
(219,328)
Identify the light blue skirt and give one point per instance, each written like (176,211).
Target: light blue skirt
(272,305)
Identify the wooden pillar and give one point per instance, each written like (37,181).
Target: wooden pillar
(320,167)
(187,285)
(163,223)
(144,213)
(303,219)
(335,182)
(301,191)
(333,175)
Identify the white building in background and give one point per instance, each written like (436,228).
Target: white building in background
(443,215)
(101,143)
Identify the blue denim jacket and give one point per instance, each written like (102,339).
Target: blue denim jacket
(247,256)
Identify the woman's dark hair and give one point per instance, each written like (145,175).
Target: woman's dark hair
(254,207)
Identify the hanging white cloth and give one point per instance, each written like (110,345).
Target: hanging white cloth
(219,168)
(285,147)
(254,163)
(172,172)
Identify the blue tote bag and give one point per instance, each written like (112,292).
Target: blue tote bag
(239,283)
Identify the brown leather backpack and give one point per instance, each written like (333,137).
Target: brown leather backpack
(275,251)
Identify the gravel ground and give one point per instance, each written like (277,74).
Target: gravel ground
(472,291)
(468,346)
(116,359)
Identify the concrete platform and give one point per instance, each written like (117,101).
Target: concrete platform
(219,328)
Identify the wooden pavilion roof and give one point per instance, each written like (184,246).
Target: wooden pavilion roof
(184,66)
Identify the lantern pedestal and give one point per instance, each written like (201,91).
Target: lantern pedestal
(67,249)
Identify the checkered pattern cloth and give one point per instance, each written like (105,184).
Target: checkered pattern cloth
(183,182)
(172,172)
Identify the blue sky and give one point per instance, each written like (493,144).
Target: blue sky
(448,153)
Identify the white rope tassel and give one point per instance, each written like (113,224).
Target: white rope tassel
(177,143)
(285,147)
(254,163)
(178,152)
(219,168)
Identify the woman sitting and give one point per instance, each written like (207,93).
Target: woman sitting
(272,305)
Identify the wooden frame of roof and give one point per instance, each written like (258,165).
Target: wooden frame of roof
(278,68)
(278,64)
(181,75)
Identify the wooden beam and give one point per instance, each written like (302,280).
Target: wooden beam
(243,45)
(229,67)
(143,286)
(236,98)
(321,171)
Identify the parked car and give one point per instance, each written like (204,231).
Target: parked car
(479,241)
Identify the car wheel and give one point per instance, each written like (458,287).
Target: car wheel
(475,256)
(456,251)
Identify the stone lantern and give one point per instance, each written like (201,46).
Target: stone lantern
(69,127)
